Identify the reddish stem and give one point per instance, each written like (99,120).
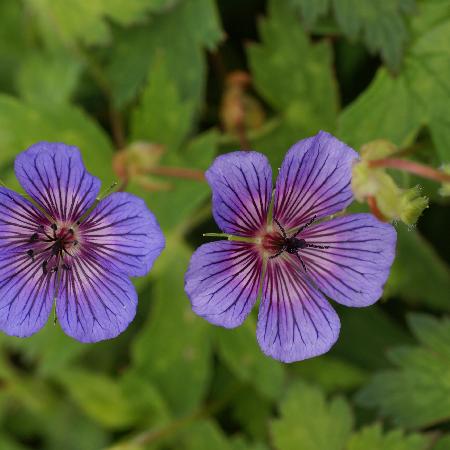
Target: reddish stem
(178,172)
(413,167)
(372,202)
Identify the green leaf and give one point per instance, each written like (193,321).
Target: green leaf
(178,359)
(380,24)
(78,20)
(205,435)
(161,116)
(418,274)
(443,443)
(330,373)
(99,396)
(13,42)
(240,352)
(308,422)
(372,438)
(369,118)
(365,335)
(310,10)
(45,79)
(293,75)
(395,108)
(416,393)
(22,125)
(190,27)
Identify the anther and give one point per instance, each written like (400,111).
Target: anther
(66,266)
(75,243)
(44,267)
(30,253)
(34,237)
(54,226)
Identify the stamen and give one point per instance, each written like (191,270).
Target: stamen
(34,238)
(44,267)
(30,253)
(54,227)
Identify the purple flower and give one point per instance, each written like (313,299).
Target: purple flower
(295,261)
(63,247)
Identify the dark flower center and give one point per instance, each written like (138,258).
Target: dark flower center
(54,246)
(272,242)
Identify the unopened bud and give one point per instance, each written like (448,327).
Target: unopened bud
(136,159)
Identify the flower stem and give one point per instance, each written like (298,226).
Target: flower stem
(412,167)
(372,202)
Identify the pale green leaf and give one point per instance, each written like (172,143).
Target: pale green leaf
(292,74)
(87,21)
(190,27)
(308,422)
(99,396)
(386,110)
(22,125)
(372,438)
(45,79)
(161,116)
(330,373)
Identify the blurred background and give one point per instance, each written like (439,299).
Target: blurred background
(151,91)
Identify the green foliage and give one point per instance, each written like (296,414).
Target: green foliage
(88,21)
(239,351)
(308,422)
(417,393)
(418,274)
(372,438)
(395,107)
(293,75)
(66,124)
(139,86)
(181,341)
(192,26)
(380,24)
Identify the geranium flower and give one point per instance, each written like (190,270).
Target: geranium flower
(296,258)
(62,246)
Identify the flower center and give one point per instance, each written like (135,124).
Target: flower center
(54,246)
(272,242)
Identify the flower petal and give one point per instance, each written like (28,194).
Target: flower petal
(122,234)
(54,176)
(314,180)
(19,221)
(26,295)
(356,265)
(93,302)
(295,322)
(242,185)
(222,281)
